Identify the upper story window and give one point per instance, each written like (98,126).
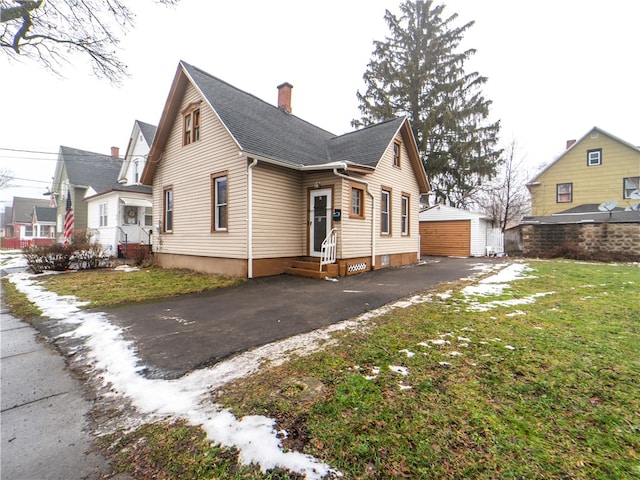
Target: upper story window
(167,209)
(564,192)
(357,202)
(630,185)
(385,212)
(404,218)
(191,124)
(594,157)
(220,203)
(397,149)
(136,174)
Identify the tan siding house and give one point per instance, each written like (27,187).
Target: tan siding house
(595,169)
(245,188)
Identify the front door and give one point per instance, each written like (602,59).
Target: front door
(319,219)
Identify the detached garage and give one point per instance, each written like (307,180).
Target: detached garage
(452,232)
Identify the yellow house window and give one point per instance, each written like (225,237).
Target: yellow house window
(564,192)
(631,184)
(594,157)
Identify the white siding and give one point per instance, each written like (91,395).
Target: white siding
(478,237)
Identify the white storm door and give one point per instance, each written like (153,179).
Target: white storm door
(319,219)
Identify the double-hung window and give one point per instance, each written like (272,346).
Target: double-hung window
(594,157)
(168,210)
(219,202)
(385,211)
(404,214)
(564,193)
(357,202)
(631,184)
(103,214)
(191,124)
(397,149)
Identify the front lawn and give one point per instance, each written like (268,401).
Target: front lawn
(459,387)
(112,287)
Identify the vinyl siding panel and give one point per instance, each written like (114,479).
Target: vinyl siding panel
(279,223)
(188,170)
(591,184)
(400,180)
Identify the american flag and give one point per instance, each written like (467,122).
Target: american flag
(68,219)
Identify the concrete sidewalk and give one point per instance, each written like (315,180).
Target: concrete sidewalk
(44,428)
(175,336)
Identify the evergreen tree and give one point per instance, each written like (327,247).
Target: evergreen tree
(418,71)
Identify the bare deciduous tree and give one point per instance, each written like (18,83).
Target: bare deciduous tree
(50,31)
(6,176)
(506,199)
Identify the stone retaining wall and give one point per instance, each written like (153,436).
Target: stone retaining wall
(622,238)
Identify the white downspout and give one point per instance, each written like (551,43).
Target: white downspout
(250,217)
(373,214)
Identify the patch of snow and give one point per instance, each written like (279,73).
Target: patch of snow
(126,268)
(444,364)
(375,371)
(407,352)
(509,347)
(440,342)
(404,371)
(113,359)
(331,279)
(404,387)
(425,344)
(445,295)
(455,354)
(515,314)
(464,339)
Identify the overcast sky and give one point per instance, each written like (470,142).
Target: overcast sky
(555,68)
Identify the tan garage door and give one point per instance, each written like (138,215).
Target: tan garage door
(449,238)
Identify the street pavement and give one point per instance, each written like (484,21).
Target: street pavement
(43,417)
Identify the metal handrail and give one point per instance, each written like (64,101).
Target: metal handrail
(328,249)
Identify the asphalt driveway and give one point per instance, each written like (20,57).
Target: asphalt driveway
(174,336)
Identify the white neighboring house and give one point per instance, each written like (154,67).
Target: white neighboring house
(449,231)
(121,216)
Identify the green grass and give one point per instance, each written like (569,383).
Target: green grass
(563,403)
(18,304)
(112,287)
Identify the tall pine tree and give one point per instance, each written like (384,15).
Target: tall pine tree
(418,71)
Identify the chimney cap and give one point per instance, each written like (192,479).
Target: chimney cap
(285,84)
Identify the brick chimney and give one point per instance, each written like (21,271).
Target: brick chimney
(570,143)
(115,152)
(284,96)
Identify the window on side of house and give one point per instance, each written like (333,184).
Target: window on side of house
(103,214)
(191,124)
(594,157)
(385,212)
(630,185)
(397,149)
(219,202)
(28,230)
(148,216)
(357,202)
(564,192)
(404,219)
(167,209)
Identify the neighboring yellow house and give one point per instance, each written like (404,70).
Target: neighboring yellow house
(595,169)
(245,188)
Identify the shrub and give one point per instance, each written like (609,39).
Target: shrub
(81,253)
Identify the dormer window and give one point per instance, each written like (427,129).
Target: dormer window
(594,157)
(191,124)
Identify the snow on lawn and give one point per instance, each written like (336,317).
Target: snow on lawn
(113,359)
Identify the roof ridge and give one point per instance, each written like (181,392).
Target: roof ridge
(368,127)
(271,105)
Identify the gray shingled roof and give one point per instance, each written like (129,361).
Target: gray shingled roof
(263,129)
(23,208)
(148,131)
(95,170)
(46,214)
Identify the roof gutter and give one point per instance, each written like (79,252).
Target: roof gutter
(373,210)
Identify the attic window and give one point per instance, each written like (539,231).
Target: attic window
(191,124)
(396,154)
(594,157)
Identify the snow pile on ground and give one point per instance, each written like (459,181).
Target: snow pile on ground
(12,259)
(113,359)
